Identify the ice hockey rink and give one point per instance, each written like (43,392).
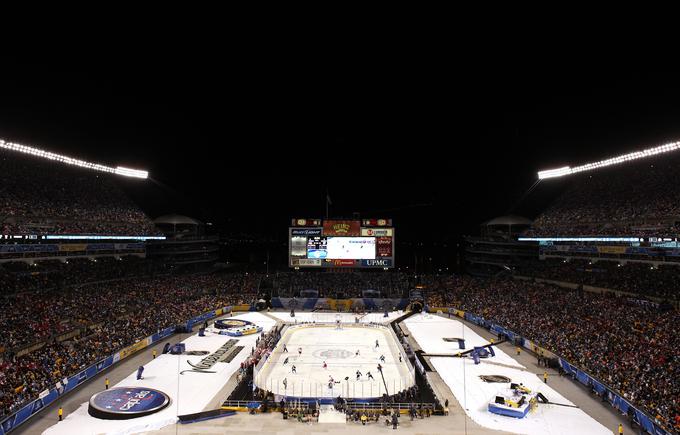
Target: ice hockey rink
(345,350)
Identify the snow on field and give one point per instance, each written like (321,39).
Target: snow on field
(462,376)
(429,331)
(189,393)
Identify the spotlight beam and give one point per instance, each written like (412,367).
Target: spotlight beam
(120,170)
(566,170)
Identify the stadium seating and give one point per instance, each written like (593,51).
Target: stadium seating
(44,197)
(142,307)
(642,279)
(637,199)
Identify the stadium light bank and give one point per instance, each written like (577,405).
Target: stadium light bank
(560,172)
(126,172)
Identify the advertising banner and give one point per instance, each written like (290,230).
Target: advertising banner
(134,348)
(384,246)
(341,228)
(305,231)
(377,222)
(377,232)
(301,222)
(28,248)
(611,249)
(306,262)
(378,262)
(73,247)
(340,263)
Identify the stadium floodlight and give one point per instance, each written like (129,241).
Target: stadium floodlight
(560,172)
(126,172)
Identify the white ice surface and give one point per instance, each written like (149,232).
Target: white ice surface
(194,390)
(338,348)
(462,377)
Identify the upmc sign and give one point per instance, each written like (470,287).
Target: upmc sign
(383,262)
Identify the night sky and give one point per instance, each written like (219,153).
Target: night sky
(248,139)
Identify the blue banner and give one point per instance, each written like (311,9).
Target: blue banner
(199,319)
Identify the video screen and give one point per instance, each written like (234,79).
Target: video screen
(316,248)
(351,248)
(298,246)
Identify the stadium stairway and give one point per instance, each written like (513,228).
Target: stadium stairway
(309,304)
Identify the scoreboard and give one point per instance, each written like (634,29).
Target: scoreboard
(316,243)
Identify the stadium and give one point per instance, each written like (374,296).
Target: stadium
(193,300)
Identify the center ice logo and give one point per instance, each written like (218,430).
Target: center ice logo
(333,354)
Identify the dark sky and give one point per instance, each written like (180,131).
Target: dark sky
(247,138)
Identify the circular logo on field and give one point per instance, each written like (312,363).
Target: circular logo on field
(231,323)
(332,354)
(127,402)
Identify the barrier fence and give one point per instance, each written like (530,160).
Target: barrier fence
(614,398)
(68,384)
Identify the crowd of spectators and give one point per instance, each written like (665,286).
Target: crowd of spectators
(19,276)
(107,317)
(628,343)
(44,197)
(640,278)
(636,199)
(350,285)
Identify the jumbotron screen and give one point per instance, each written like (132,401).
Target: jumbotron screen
(366,243)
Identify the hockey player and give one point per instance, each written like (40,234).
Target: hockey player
(358,375)
(285,361)
(285,349)
(140,370)
(293,369)
(300,351)
(285,383)
(325,366)
(370,376)
(382,359)
(377,344)
(357,353)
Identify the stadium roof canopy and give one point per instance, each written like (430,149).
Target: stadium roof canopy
(508,220)
(176,219)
